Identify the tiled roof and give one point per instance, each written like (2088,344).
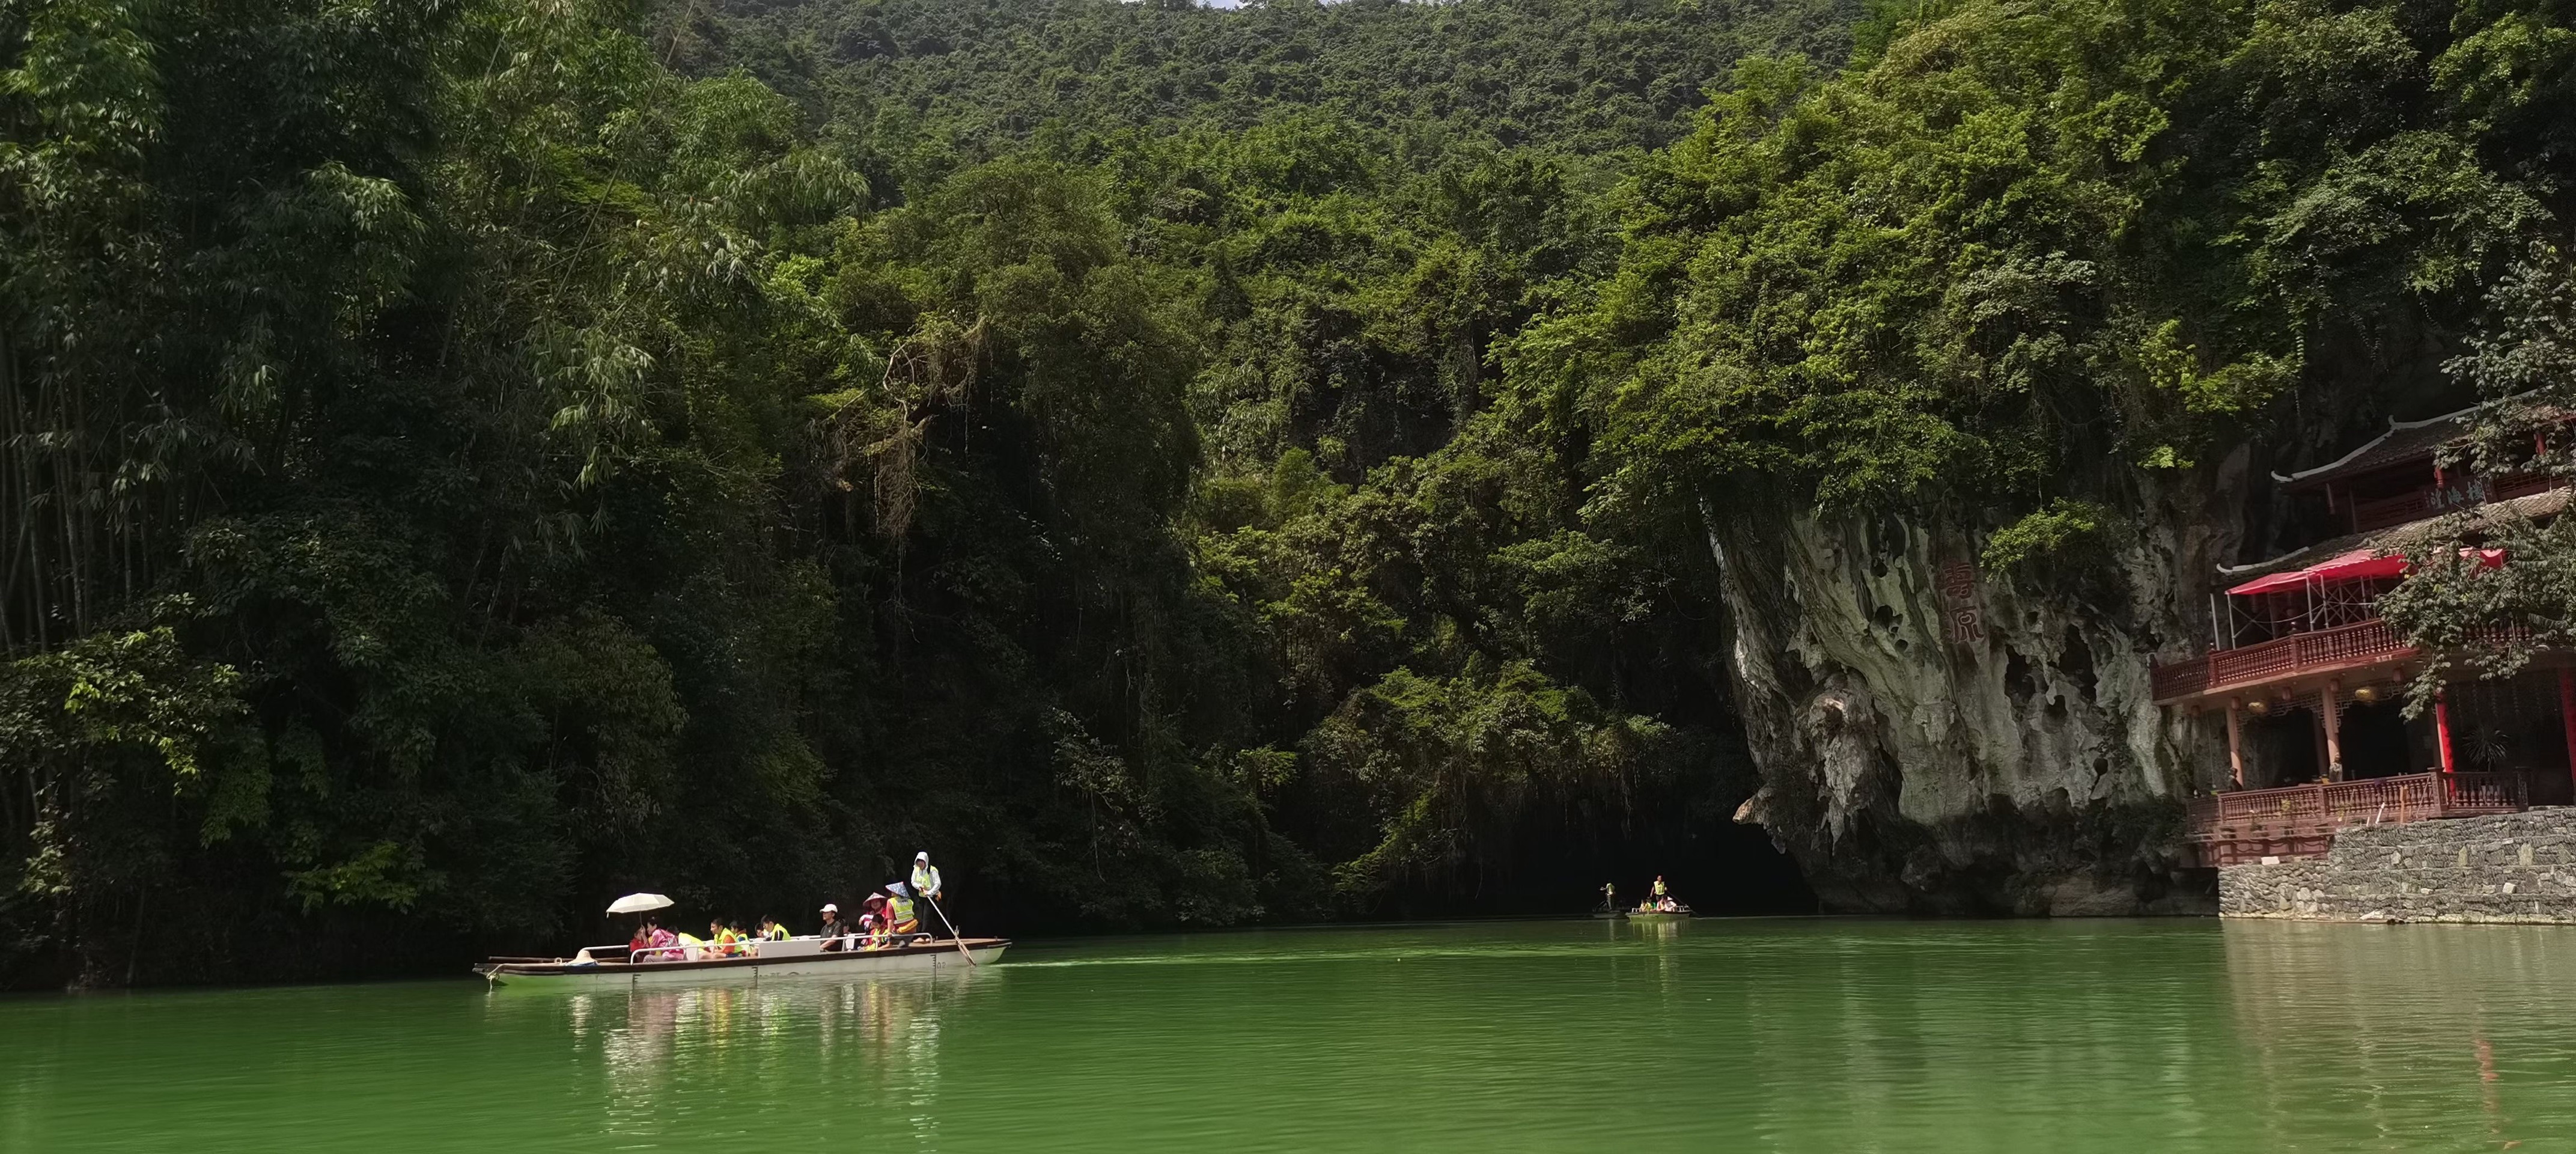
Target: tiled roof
(2399,538)
(2404,441)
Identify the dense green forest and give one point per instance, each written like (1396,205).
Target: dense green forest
(467,459)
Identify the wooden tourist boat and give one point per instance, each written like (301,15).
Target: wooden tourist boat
(603,967)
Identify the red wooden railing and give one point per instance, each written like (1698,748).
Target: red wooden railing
(2382,512)
(2301,820)
(2521,485)
(2365,641)
(2361,643)
(2180,679)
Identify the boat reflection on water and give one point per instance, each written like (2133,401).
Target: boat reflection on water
(2395,1023)
(1665,936)
(1655,931)
(661,1051)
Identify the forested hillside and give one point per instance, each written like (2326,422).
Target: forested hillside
(930,78)
(468,459)
(462,464)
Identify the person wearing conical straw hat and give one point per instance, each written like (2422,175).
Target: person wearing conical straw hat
(874,921)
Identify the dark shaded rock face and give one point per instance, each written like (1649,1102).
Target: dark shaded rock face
(1935,739)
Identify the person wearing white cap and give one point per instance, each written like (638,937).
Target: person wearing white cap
(925,877)
(833,931)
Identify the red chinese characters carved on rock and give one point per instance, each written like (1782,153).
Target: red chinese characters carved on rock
(1958,585)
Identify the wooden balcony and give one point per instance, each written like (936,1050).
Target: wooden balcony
(2387,512)
(2302,820)
(2343,646)
(2360,644)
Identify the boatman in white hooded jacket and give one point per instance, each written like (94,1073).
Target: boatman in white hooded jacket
(925,876)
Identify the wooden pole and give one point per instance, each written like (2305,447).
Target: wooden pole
(2331,714)
(2235,745)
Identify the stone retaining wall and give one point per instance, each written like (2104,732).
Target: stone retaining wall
(2514,867)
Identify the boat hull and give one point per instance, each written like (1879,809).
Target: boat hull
(774,966)
(1659,916)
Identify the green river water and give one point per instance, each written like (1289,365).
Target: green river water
(1790,1034)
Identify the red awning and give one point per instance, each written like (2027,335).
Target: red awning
(2272,584)
(2358,565)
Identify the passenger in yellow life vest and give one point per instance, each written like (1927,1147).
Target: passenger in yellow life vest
(899,909)
(771,931)
(724,938)
(872,924)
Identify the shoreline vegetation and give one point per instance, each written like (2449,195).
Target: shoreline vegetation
(1188,467)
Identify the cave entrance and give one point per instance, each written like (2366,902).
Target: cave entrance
(1707,860)
(1683,829)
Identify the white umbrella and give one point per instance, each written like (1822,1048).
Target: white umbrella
(638,903)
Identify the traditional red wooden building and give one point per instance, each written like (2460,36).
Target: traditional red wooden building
(2311,681)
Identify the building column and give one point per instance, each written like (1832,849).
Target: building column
(2331,713)
(2235,745)
(2442,735)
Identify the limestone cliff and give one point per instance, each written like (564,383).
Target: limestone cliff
(1936,739)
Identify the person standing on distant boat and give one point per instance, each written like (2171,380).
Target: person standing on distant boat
(925,877)
(1609,896)
(1659,889)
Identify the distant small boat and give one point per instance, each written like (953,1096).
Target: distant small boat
(1678,913)
(742,962)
